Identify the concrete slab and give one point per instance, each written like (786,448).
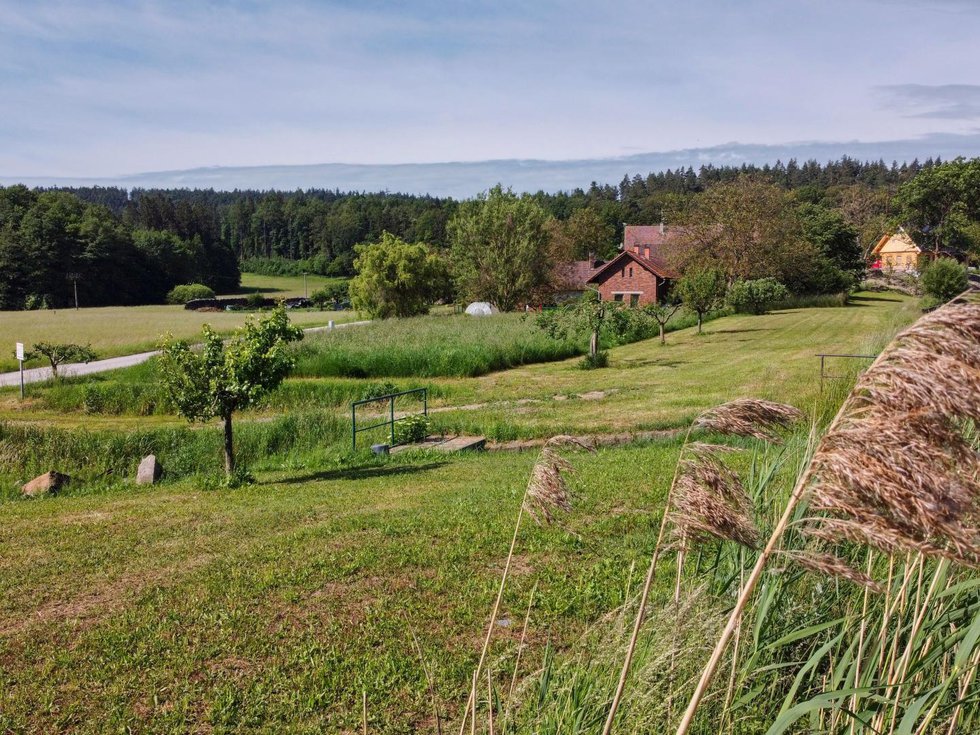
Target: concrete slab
(446,444)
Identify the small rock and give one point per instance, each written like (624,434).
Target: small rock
(149,470)
(48,483)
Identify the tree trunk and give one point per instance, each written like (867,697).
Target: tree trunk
(229,447)
(663,338)
(699,322)
(594,344)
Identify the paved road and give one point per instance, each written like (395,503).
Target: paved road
(36,375)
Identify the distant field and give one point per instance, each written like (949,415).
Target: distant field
(285,286)
(123,330)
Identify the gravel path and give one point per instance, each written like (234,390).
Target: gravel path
(36,375)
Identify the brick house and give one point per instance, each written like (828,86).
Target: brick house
(638,275)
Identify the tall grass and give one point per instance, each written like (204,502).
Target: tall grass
(430,346)
(449,346)
(99,457)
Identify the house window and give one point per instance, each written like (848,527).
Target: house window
(631,271)
(634,299)
(623,274)
(617,297)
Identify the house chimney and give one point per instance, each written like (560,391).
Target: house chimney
(636,248)
(662,227)
(646,252)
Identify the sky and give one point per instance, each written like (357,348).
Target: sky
(109,88)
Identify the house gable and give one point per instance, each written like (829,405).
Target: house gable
(623,259)
(900,242)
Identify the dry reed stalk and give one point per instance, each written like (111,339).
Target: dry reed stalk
(364,710)
(429,679)
(741,417)
(520,649)
(971,674)
(883,387)
(861,631)
(644,596)
(922,608)
(473,696)
(490,701)
(545,494)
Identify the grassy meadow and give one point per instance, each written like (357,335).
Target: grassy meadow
(124,330)
(276,607)
(285,286)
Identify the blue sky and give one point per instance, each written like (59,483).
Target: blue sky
(105,88)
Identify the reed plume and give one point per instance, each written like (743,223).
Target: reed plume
(710,500)
(893,469)
(749,417)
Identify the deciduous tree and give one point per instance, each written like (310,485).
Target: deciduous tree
(59,354)
(745,228)
(220,378)
(938,205)
(701,291)
(395,278)
(500,249)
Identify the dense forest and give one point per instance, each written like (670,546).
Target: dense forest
(131,247)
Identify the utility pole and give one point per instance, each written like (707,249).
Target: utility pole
(306,292)
(73,277)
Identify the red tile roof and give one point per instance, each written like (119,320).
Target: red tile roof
(657,266)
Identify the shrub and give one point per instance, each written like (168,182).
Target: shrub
(756,297)
(593,362)
(944,279)
(255,301)
(330,295)
(189,292)
(376,390)
(412,429)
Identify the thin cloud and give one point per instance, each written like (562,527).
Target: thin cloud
(935,101)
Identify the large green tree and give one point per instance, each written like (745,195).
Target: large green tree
(395,278)
(219,378)
(500,249)
(746,228)
(938,206)
(583,235)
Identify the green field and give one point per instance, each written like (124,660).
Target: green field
(285,286)
(124,330)
(273,608)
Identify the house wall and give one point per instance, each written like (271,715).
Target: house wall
(899,254)
(641,282)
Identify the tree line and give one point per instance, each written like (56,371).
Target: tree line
(51,241)
(133,246)
(749,230)
(323,225)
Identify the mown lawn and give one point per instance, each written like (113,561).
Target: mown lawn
(270,608)
(649,386)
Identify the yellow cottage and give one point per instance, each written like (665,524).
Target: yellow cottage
(896,252)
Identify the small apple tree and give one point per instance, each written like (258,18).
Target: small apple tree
(58,354)
(223,378)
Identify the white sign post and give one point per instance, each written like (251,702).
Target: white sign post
(20,359)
